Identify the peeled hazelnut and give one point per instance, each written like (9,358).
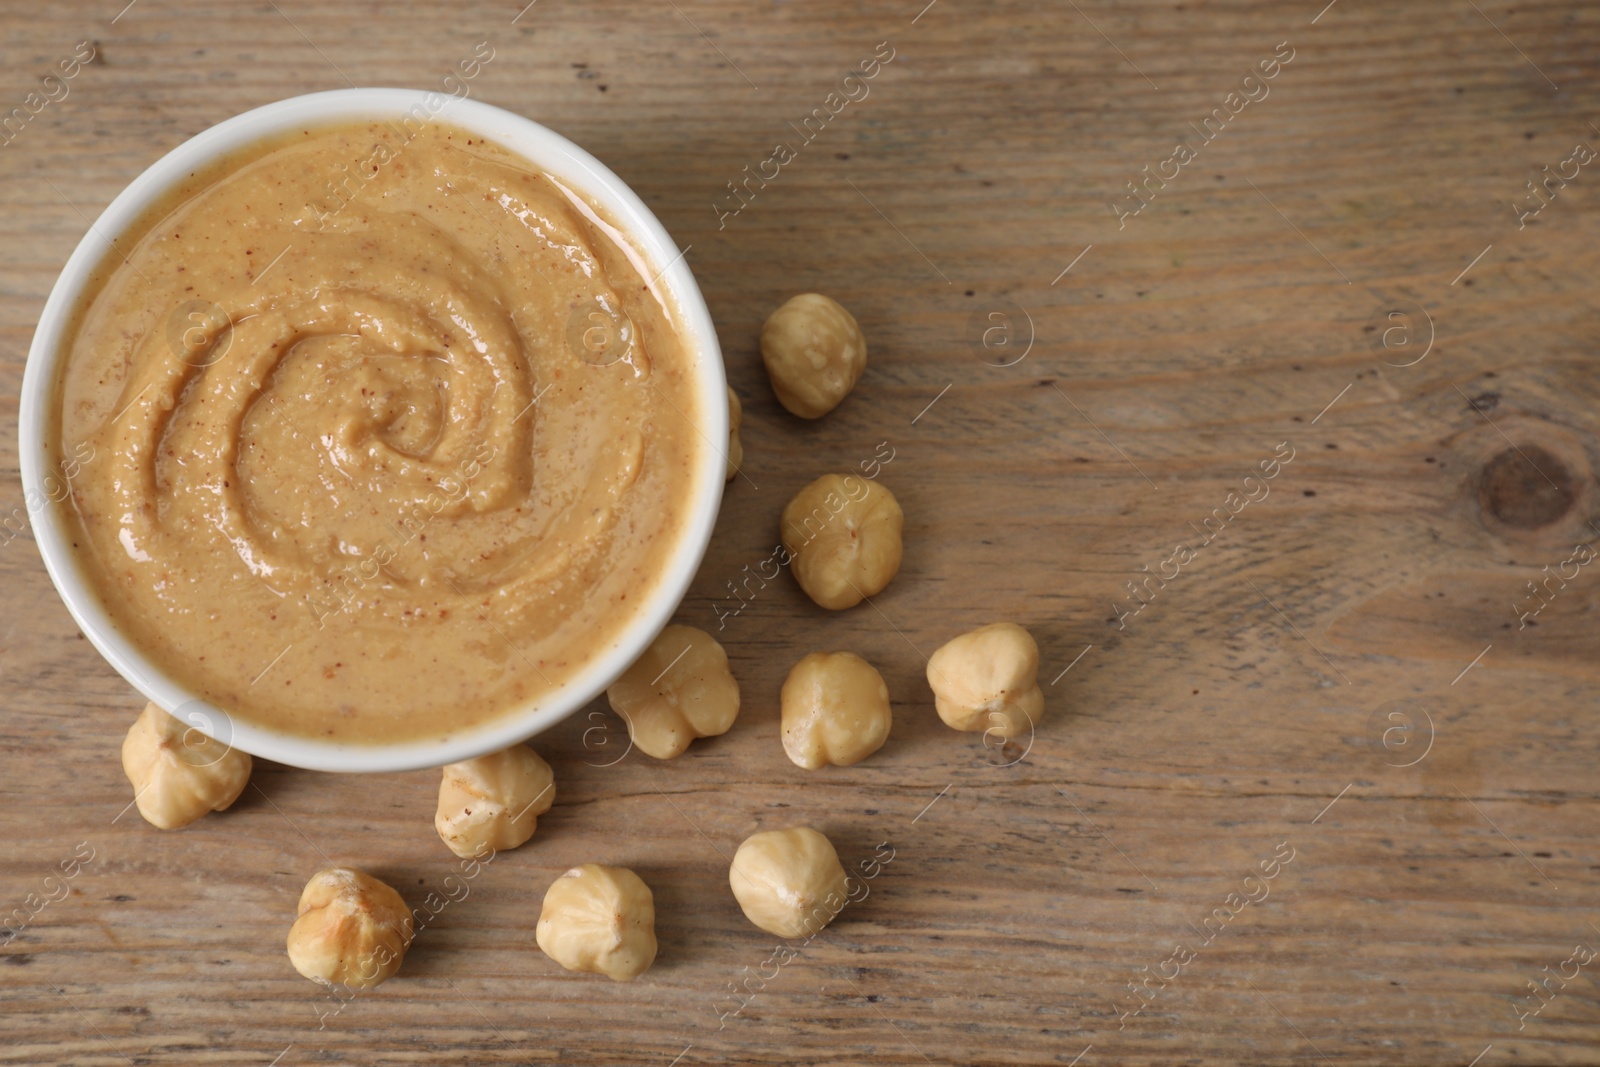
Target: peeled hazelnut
(601,920)
(987,680)
(814,354)
(735,448)
(843,532)
(352,931)
(493,802)
(789,882)
(178,773)
(680,689)
(835,710)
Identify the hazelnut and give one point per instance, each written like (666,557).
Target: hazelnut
(178,773)
(735,448)
(814,354)
(680,689)
(789,882)
(835,710)
(493,802)
(352,930)
(843,532)
(987,680)
(601,920)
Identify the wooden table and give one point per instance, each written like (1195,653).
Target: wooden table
(1342,678)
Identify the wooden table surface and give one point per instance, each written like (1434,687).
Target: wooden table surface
(1346,677)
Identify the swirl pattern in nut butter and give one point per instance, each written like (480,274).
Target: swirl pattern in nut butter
(392,431)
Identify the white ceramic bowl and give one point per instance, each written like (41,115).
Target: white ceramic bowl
(545,149)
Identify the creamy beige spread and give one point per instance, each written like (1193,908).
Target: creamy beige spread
(391,432)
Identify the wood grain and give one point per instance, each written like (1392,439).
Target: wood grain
(1340,670)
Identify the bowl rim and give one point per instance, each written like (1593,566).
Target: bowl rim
(523,137)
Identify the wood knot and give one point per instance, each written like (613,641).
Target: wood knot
(1526,487)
